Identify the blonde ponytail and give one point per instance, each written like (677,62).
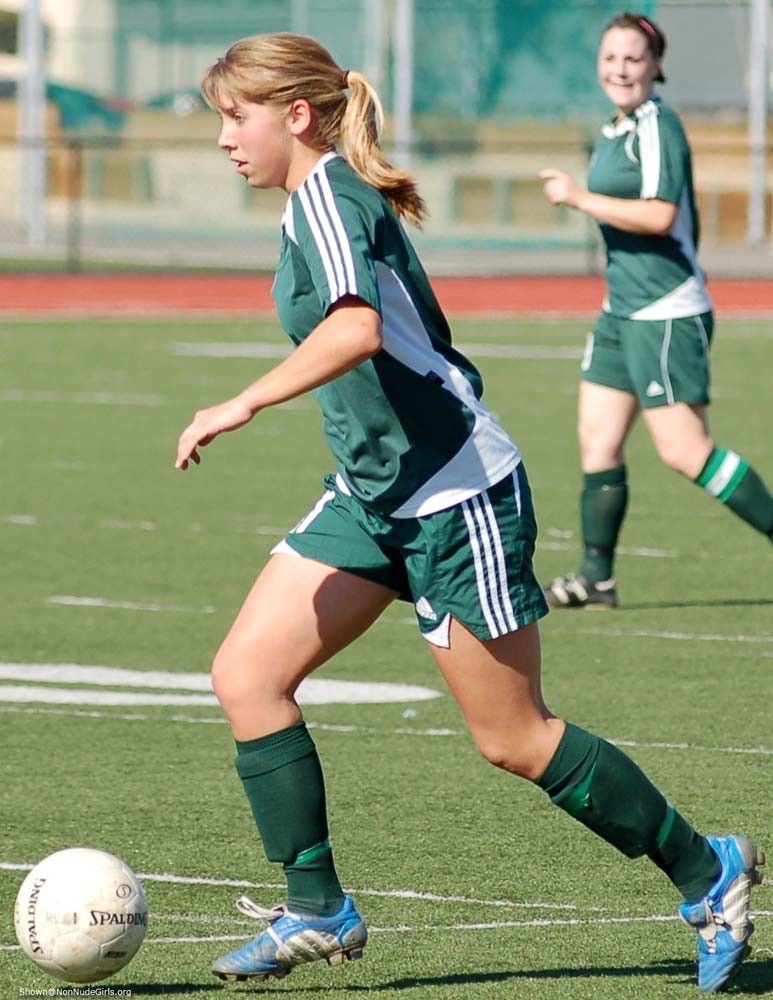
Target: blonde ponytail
(359,143)
(281,68)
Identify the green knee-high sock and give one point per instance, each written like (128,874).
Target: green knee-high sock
(606,791)
(282,779)
(603,502)
(731,479)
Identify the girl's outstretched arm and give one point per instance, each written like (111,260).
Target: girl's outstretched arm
(349,335)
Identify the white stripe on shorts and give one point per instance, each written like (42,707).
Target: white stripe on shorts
(499,553)
(315,511)
(704,335)
(490,568)
(666,345)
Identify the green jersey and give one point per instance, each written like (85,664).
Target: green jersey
(407,428)
(646,155)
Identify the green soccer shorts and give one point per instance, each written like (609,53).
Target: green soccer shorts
(661,362)
(472,562)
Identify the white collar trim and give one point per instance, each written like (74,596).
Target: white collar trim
(288,220)
(612,129)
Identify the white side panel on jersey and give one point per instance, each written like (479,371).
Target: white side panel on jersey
(688,299)
(488,455)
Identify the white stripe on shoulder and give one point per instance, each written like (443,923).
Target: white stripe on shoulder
(288,221)
(325,222)
(649,155)
(340,231)
(330,236)
(319,239)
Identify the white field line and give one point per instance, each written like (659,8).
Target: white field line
(277,351)
(73,601)
(140,525)
(32,521)
(84,398)
(491,925)
(220,721)
(764,637)
(622,550)
(312,691)
(167,878)
(82,696)
(759,751)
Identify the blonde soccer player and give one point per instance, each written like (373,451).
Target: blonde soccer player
(429,503)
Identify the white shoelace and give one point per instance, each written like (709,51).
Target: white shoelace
(250,908)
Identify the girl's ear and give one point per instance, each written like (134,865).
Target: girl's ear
(299,117)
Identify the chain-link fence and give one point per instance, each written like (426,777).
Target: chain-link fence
(500,89)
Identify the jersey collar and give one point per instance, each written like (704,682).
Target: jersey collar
(613,129)
(319,167)
(288,223)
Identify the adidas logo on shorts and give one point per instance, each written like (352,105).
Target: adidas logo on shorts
(655,389)
(425,610)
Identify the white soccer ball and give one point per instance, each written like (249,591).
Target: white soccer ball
(81,914)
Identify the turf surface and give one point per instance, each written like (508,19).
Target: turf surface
(473,884)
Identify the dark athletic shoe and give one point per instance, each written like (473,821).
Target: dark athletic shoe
(574,591)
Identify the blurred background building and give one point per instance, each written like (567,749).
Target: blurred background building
(480,93)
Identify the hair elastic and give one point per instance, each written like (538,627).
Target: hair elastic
(345,78)
(649,29)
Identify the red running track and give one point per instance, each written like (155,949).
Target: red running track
(195,294)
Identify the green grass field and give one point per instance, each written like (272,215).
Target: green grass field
(473,884)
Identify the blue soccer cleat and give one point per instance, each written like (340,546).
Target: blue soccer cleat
(722,917)
(292,939)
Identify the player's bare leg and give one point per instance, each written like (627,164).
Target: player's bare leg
(604,420)
(297,615)
(497,685)
(683,441)
(681,437)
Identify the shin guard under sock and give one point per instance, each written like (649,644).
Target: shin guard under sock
(282,778)
(603,503)
(606,791)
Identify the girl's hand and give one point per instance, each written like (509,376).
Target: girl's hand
(206,426)
(559,188)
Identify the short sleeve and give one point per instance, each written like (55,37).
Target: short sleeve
(333,236)
(664,156)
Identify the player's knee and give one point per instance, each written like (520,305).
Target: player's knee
(222,677)
(504,756)
(232,677)
(596,449)
(675,456)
